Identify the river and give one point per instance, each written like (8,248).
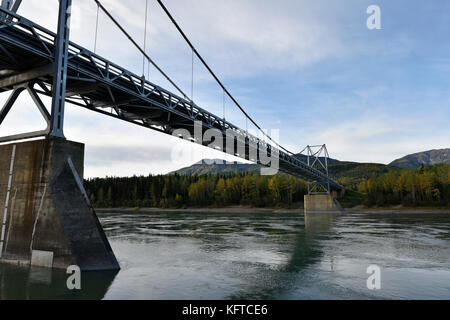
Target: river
(258,256)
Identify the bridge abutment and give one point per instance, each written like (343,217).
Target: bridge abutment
(322,203)
(46,218)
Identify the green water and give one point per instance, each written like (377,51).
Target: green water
(258,256)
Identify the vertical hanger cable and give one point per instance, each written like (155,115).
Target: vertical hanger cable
(192,78)
(145,39)
(223,105)
(96,29)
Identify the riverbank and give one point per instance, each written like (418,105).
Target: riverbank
(234,209)
(247,209)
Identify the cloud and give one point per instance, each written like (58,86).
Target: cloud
(310,68)
(237,37)
(379,138)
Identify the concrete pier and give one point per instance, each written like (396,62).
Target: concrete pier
(45,215)
(325,203)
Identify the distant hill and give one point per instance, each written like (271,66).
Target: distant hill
(348,173)
(216,166)
(219,166)
(351,173)
(414,161)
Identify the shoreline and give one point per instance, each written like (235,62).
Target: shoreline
(243,209)
(204,210)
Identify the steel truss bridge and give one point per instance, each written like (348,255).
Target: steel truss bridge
(36,60)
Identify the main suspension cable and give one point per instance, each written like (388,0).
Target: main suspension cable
(216,78)
(140,49)
(200,58)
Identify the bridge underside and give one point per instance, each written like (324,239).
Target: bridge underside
(27,55)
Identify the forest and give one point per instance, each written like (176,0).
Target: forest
(426,186)
(175,191)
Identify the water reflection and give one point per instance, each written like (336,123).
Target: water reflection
(318,223)
(20,282)
(304,253)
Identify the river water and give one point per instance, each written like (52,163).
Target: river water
(258,256)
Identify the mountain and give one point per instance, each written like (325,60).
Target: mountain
(216,166)
(219,166)
(414,161)
(351,173)
(348,173)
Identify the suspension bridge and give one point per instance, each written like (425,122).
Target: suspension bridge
(43,63)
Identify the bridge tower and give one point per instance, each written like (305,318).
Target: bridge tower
(46,218)
(320,197)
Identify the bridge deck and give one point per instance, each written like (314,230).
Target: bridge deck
(27,52)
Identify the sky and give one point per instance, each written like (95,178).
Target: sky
(310,69)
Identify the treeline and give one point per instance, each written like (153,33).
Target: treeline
(175,191)
(425,186)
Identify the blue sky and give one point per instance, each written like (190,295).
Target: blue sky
(311,69)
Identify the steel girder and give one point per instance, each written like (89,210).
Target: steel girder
(129,97)
(60,69)
(39,104)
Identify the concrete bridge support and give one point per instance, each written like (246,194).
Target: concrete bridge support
(326,203)
(46,218)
